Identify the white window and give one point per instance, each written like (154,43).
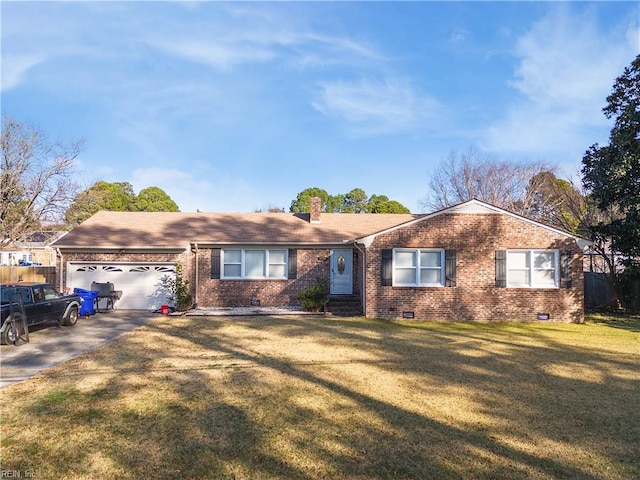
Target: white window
(417,267)
(254,263)
(232,263)
(277,262)
(532,268)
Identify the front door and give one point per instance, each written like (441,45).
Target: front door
(342,272)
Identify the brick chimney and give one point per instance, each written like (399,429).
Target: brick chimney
(316,208)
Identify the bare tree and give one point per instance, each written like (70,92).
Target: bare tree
(570,208)
(36,182)
(509,185)
(560,203)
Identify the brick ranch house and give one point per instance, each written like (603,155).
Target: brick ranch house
(472,261)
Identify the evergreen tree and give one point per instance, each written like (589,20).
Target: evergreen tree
(611,173)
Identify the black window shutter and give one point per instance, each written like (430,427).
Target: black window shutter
(501,268)
(293,263)
(449,268)
(387,267)
(565,269)
(215,263)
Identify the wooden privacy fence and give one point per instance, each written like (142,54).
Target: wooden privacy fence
(597,292)
(11,274)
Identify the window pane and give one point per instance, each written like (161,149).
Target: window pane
(518,277)
(430,259)
(277,271)
(405,259)
(543,260)
(544,278)
(232,270)
(232,256)
(518,260)
(254,261)
(277,256)
(429,276)
(405,276)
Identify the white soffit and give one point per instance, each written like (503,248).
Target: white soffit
(472,207)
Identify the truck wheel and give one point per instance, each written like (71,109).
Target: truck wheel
(10,334)
(71,318)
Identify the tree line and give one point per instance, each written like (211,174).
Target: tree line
(356,201)
(117,197)
(38,187)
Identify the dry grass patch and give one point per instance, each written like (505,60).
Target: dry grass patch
(307,398)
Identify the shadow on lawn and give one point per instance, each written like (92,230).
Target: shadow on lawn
(530,395)
(624,322)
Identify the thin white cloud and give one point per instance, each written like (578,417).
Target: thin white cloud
(216,54)
(565,59)
(566,68)
(295,47)
(373,107)
(459,35)
(343,47)
(15,67)
(193,190)
(32,38)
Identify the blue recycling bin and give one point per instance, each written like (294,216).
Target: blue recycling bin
(88,301)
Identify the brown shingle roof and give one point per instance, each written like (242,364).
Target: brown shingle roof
(177,230)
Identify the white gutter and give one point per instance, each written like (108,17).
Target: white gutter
(310,245)
(78,248)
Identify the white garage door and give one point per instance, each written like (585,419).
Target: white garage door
(141,284)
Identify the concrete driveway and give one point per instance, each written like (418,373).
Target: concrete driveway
(51,345)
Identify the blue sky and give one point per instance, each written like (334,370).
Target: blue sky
(239,106)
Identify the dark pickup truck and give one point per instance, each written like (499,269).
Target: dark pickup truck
(42,303)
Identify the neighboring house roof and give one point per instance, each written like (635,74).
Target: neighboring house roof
(34,240)
(171,230)
(10,247)
(41,239)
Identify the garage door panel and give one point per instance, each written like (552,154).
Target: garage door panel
(145,286)
(142,285)
(82,276)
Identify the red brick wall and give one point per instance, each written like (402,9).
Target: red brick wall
(475,296)
(313,267)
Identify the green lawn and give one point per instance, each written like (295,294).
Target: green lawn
(320,397)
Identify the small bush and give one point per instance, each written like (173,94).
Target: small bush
(314,298)
(178,290)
